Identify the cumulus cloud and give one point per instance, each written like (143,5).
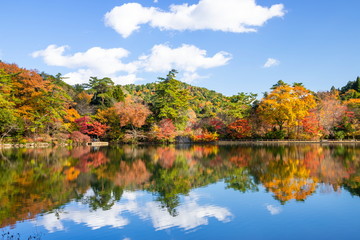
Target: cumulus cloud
(100,62)
(271,62)
(105,61)
(187,58)
(190,214)
(236,16)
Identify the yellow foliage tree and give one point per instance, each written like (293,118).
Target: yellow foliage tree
(286,106)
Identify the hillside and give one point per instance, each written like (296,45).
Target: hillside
(42,107)
(204,102)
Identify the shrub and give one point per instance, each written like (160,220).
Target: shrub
(205,136)
(78,137)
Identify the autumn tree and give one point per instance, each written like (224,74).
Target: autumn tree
(83,100)
(350,94)
(213,125)
(90,127)
(133,115)
(286,106)
(165,131)
(353,124)
(8,116)
(110,117)
(239,129)
(311,126)
(40,104)
(349,126)
(78,137)
(330,111)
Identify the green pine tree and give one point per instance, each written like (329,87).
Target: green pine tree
(171,101)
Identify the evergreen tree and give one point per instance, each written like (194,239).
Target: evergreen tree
(171,101)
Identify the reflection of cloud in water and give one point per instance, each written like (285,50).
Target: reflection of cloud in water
(190,214)
(273,209)
(80,214)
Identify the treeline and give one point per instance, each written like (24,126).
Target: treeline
(37,107)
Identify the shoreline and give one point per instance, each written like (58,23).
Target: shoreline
(266,142)
(219,142)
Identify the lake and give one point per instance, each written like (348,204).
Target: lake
(295,191)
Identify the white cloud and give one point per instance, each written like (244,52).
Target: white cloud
(187,58)
(104,61)
(273,209)
(189,77)
(126,79)
(271,62)
(190,214)
(156,1)
(100,62)
(227,15)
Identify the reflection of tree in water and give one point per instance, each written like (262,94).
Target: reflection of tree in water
(34,181)
(288,179)
(241,180)
(169,183)
(106,194)
(353,185)
(92,160)
(131,174)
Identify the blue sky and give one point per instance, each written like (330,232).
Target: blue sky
(222,45)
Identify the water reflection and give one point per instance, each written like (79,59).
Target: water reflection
(107,182)
(190,214)
(273,210)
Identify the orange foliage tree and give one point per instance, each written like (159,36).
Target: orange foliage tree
(132,113)
(165,131)
(40,104)
(330,111)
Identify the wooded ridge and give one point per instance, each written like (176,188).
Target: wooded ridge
(38,107)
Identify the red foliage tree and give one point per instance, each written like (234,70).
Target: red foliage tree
(165,131)
(91,127)
(78,137)
(239,129)
(311,126)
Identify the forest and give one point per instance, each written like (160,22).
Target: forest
(39,107)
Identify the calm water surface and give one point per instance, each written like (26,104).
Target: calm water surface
(182,192)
